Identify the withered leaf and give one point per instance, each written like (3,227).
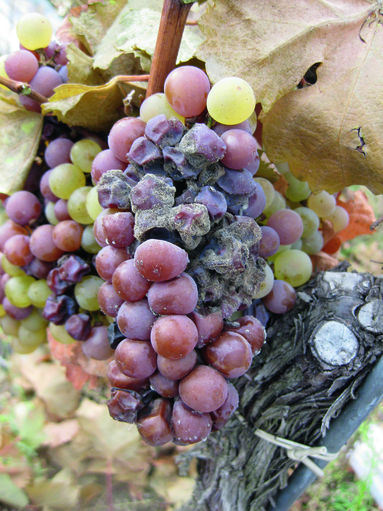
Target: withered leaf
(93,107)
(20,132)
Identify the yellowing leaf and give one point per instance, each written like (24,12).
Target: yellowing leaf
(272,44)
(10,493)
(20,132)
(93,107)
(330,133)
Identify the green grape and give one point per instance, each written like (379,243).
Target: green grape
(310,220)
(49,211)
(38,293)
(83,152)
(297,244)
(77,205)
(283,167)
(268,189)
(157,104)
(86,291)
(297,190)
(2,311)
(92,205)
(60,334)
(65,179)
(281,248)
(34,31)
(21,349)
(313,243)
(279,202)
(9,325)
(34,321)
(267,284)
(88,241)
(339,218)
(231,101)
(31,338)
(322,203)
(293,266)
(11,269)
(16,290)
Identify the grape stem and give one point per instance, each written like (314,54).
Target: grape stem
(131,78)
(21,88)
(172,24)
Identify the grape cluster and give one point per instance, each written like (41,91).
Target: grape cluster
(48,275)
(191,236)
(40,62)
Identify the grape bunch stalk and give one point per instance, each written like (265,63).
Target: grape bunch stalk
(163,250)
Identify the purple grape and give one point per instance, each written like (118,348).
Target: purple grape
(241,149)
(23,207)
(56,283)
(104,161)
(45,189)
(63,72)
(281,298)
(45,80)
(143,151)
(177,165)
(163,386)
(97,344)
(16,312)
(237,182)
(153,422)
(78,326)
(135,320)
(221,128)
(214,201)
(253,164)
(122,135)
(58,152)
(202,145)
(72,268)
(109,300)
(58,309)
(152,191)
(269,242)
(256,202)
(189,426)
(164,132)
(39,269)
(21,65)
(114,190)
(223,414)
(288,225)
(123,406)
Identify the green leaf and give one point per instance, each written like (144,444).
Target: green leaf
(92,107)
(20,132)
(10,493)
(29,420)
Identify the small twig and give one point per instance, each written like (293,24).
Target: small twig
(132,78)
(172,24)
(21,88)
(109,485)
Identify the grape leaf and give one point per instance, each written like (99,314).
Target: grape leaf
(10,493)
(20,132)
(132,35)
(94,107)
(330,133)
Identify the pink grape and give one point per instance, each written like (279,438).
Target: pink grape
(204,389)
(186,89)
(159,260)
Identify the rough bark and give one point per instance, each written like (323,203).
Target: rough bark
(315,358)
